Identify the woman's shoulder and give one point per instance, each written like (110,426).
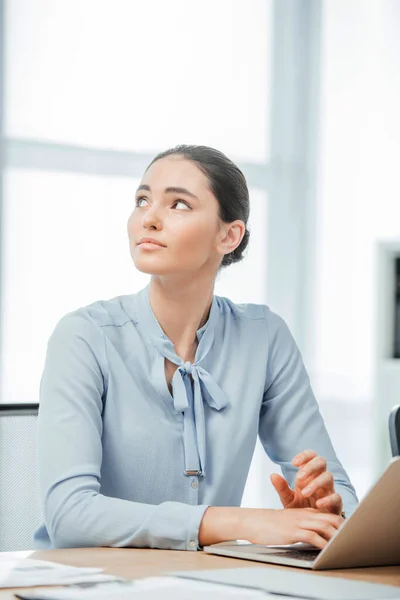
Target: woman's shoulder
(248,310)
(99,314)
(260,316)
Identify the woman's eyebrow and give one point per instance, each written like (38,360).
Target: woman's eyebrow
(143,187)
(179,190)
(169,190)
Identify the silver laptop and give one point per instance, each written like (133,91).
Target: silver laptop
(369,538)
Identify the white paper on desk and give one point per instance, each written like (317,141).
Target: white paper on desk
(28,572)
(147,589)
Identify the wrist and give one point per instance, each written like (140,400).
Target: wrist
(256,518)
(221,524)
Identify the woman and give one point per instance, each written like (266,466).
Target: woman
(151,403)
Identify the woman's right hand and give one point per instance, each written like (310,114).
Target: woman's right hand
(268,526)
(288,526)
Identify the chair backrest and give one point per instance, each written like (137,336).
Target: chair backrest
(394,430)
(20,508)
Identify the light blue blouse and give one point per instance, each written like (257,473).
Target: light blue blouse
(122,462)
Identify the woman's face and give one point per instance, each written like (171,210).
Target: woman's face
(175,208)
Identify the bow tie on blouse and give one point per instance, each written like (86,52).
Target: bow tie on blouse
(189,399)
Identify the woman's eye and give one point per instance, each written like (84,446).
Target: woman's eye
(139,201)
(181,204)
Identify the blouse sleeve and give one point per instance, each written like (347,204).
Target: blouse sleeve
(290,420)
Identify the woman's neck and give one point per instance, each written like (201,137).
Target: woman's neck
(181,308)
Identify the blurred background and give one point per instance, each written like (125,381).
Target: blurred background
(303,94)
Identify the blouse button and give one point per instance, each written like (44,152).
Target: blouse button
(195,485)
(192,544)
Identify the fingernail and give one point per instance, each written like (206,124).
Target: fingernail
(301,475)
(306,491)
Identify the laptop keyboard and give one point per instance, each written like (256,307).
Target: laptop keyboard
(309,555)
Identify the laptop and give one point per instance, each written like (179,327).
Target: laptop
(369,538)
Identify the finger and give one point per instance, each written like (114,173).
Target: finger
(323,529)
(314,467)
(333,502)
(321,482)
(303,483)
(311,537)
(286,494)
(331,518)
(303,457)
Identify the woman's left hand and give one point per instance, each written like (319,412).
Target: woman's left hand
(314,485)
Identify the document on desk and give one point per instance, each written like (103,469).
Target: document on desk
(286,582)
(152,588)
(27,572)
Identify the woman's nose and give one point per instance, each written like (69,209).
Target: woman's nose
(152,219)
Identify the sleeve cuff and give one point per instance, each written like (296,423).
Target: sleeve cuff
(192,540)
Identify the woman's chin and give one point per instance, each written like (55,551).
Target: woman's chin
(153,267)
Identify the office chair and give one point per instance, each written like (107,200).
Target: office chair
(394,430)
(20,512)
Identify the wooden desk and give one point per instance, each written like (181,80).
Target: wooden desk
(134,564)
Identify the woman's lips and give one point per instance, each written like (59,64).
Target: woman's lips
(150,246)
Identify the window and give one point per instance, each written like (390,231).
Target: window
(140,76)
(64,246)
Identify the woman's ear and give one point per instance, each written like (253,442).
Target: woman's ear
(231,234)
